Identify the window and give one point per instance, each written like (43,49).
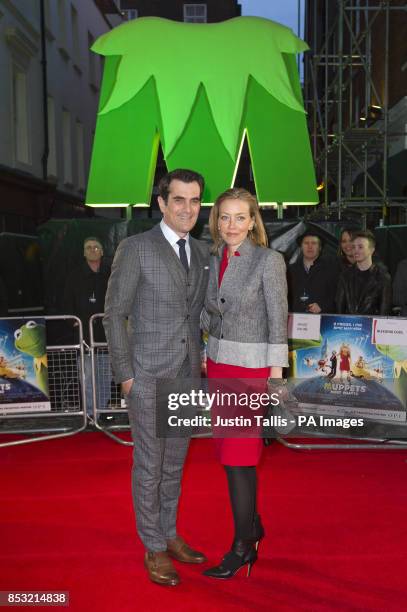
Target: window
(130,14)
(20,116)
(195,13)
(67,143)
(52,154)
(62,22)
(80,157)
(75,35)
(92,61)
(47,14)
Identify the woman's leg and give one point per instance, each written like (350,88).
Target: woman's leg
(242,483)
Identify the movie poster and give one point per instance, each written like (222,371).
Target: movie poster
(349,366)
(23,366)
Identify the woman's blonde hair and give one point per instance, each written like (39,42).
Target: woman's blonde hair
(257,235)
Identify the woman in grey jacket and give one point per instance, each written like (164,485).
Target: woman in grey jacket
(245,316)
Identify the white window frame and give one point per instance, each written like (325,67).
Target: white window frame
(20,115)
(191,15)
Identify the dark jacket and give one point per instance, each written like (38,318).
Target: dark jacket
(84,296)
(3,299)
(400,287)
(319,284)
(374,299)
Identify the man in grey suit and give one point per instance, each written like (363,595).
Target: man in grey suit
(153,304)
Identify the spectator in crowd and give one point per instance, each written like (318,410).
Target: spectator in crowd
(84,296)
(400,287)
(345,250)
(3,299)
(364,288)
(312,278)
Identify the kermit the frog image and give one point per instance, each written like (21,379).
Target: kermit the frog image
(30,339)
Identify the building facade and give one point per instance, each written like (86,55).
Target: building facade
(48,105)
(192,12)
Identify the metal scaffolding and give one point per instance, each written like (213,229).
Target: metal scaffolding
(347,99)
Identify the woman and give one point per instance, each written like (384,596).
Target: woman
(345,250)
(344,364)
(246,317)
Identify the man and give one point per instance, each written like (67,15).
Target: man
(400,287)
(364,288)
(334,362)
(312,278)
(153,305)
(84,296)
(3,299)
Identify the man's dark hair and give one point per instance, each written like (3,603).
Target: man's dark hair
(308,234)
(365,234)
(186,176)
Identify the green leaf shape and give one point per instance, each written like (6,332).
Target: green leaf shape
(220,56)
(394,352)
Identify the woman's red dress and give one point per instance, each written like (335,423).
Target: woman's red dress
(236,451)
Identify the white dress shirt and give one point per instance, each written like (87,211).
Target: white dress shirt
(173,238)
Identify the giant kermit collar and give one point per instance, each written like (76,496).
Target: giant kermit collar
(186,56)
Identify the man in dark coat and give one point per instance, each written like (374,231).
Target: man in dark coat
(312,278)
(365,287)
(400,287)
(84,296)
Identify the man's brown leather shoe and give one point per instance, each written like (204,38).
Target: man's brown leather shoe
(160,568)
(179,550)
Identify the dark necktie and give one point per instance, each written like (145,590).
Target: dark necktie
(183,254)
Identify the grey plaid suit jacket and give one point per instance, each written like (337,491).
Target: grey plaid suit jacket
(153,307)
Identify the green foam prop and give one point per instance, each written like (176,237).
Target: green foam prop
(199,88)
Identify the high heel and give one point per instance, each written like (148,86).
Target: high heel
(242,553)
(258,531)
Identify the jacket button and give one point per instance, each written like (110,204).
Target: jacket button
(221,335)
(183,340)
(222,300)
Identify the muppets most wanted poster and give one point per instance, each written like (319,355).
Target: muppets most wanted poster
(23,366)
(349,366)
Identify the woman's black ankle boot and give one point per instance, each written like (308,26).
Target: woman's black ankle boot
(242,553)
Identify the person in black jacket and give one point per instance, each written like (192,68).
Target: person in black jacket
(3,299)
(364,288)
(86,287)
(312,278)
(400,287)
(84,296)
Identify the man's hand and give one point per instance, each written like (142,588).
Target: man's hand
(314,308)
(127,385)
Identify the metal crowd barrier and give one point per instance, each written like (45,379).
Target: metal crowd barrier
(109,406)
(67,396)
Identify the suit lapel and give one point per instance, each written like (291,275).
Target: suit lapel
(169,257)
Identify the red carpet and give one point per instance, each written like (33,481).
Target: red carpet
(335,521)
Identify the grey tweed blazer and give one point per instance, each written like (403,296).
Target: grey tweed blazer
(153,307)
(247,316)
